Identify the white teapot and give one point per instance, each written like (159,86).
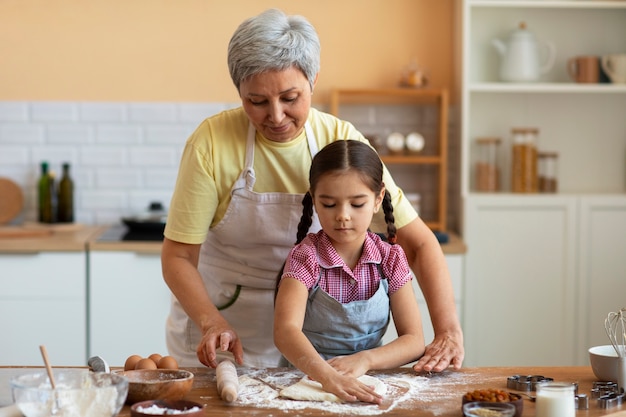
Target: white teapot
(521,56)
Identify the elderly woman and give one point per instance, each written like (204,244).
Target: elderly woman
(237,203)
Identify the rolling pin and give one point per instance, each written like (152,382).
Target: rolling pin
(227,381)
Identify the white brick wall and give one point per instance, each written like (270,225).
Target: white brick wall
(125,155)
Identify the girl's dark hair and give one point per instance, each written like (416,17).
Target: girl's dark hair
(343,156)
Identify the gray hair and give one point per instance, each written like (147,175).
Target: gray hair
(273,41)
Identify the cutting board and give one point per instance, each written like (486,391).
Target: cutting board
(617,414)
(11,200)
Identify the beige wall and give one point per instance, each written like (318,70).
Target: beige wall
(175,50)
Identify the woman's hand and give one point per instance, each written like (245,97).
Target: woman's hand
(219,336)
(445,350)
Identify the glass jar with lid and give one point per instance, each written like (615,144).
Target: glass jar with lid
(524,162)
(547,165)
(487,173)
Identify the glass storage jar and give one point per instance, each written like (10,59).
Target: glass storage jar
(487,175)
(555,399)
(524,162)
(547,165)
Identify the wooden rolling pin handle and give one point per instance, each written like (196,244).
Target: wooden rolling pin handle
(227,381)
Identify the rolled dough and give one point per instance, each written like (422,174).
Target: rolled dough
(309,390)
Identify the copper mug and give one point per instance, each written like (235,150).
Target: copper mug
(584,69)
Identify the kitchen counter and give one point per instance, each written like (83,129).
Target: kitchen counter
(109,239)
(46,238)
(77,238)
(455,245)
(436,395)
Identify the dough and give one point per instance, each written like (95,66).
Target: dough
(309,390)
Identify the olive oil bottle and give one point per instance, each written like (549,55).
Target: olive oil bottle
(65,197)
(46,195)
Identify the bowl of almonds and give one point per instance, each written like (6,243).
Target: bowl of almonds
(494,395)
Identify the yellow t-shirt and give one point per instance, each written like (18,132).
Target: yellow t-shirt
(214,157)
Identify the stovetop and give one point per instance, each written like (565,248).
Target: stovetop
(119,233)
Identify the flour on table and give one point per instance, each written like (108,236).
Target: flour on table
(308,390)
(258,388)
(405,390)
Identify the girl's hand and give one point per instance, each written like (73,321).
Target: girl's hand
(351,389)
(353,365)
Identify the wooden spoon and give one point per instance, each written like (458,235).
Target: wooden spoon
(44,353)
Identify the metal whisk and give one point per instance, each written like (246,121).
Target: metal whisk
(615,326)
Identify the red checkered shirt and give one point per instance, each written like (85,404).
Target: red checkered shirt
(315,258)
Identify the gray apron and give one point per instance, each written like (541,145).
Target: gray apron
(337,329)
(239,262)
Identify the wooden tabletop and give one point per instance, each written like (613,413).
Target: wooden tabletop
(435,395)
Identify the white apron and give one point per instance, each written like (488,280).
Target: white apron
(242,255)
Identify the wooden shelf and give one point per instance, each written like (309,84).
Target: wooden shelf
(436,97)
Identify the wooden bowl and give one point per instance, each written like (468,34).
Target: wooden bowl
(516,400)
(157,384)
(182,407)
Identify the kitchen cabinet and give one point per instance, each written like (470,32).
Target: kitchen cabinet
(42,302)
(434,156)
(602,267)
(128,303)
(520,301)
(540,267)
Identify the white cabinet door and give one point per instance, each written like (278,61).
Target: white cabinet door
(128,305)
(42,302)
(520,281)
(455,266)
(602,266)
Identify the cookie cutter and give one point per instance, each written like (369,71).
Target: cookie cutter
(527,383)
(582,402)
(603,388)
(611,400)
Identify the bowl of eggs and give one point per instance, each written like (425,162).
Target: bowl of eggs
(494,397)
(155,377)
(154,361)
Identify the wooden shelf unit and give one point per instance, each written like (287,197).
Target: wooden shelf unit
(437,97)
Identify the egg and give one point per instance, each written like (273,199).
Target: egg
(131,362)
(156,357)
(146,363)
(167,362)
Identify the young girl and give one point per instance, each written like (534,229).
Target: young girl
(333,299)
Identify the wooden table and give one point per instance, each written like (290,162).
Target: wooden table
(436,395)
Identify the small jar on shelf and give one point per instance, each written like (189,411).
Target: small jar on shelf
(487,174)
(548,181)
(524,162)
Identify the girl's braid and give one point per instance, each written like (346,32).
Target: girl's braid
(306,219)
(389,219)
